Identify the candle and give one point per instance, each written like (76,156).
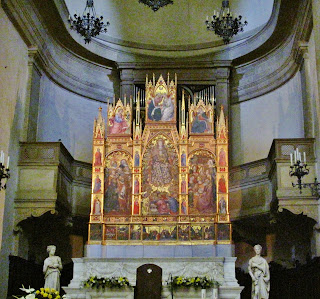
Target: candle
(304,158)
(295,157)
(2,157)
(291,159)
(8,160)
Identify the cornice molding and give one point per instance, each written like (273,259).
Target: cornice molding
(262,62)
(72,72)
(255,75)
(125,51)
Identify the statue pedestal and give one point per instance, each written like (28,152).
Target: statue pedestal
(179,260)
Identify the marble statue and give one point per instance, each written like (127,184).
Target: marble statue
(259,272)
(51,268)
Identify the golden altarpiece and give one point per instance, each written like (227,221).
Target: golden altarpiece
(163,180)
(159,195)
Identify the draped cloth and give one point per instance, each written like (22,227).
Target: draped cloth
(51,268)
(259,272)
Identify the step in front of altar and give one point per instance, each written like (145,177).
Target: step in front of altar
(128,293)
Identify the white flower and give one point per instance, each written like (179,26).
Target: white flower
(28,291)
(31,296)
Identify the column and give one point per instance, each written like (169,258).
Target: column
(32,97)
(222,89)
(308,100)
(316,30)
(127,84)
(315,248)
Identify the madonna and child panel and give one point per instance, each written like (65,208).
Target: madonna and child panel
(160,178)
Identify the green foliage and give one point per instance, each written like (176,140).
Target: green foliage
(106,283)
(196,282)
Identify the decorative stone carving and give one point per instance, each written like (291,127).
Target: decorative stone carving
(221,269)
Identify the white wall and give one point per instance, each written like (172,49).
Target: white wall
(179,24)
(13,80)
(69,117)
(255,123)
(315,93)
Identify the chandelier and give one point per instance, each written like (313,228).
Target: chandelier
(88,25)
(224,24)
(156,4)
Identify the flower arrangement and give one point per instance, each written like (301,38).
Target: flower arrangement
(102,283)
(42,293)
(196,282)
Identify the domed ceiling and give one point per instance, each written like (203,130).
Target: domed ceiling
(176,28)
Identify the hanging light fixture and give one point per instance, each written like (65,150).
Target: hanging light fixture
(224,24)
(88,25)
(156,4)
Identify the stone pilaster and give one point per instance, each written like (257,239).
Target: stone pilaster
(222,89)
(127,82)
(32,97)
(308,100)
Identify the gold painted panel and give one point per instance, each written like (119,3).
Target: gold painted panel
(118,184)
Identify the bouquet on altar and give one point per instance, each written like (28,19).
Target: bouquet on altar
(42,293)
(95,282)
(196,282)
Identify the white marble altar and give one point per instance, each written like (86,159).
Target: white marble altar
(108,261)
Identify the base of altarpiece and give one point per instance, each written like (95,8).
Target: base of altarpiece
(213,261)
(159,250)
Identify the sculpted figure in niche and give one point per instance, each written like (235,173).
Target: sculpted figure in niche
(136,159)
(51,268)
(96,206)
(259,272)
(97,185)
(222,185)
(118,123)
(97,158)
(222,158)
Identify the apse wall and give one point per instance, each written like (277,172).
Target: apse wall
(314,92)
(255,123)
(13,82)
(69,117)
